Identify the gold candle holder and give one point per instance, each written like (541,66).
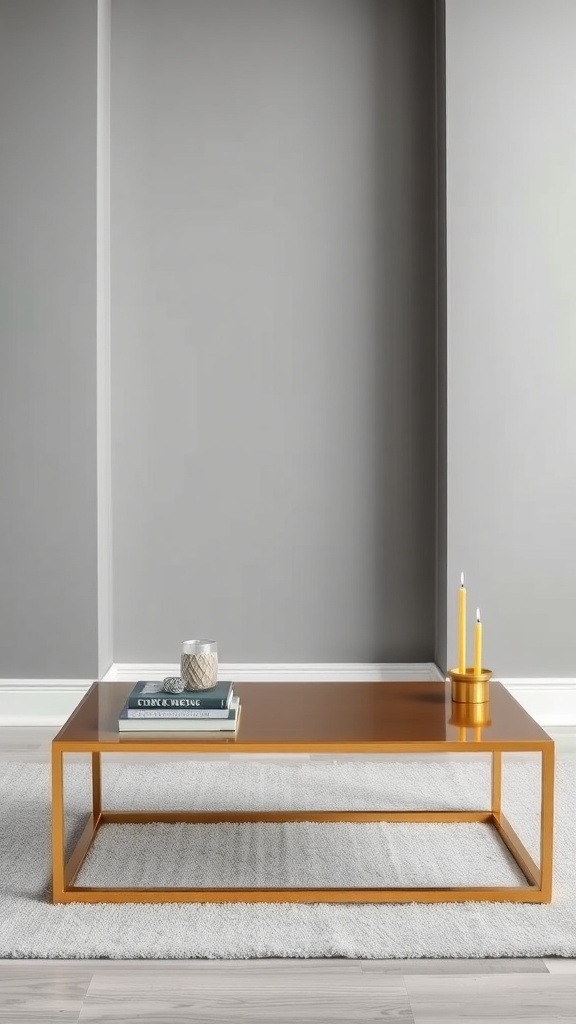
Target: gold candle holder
(469,715)
(470,687)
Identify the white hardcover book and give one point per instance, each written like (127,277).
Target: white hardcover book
(163,714)
(227,724)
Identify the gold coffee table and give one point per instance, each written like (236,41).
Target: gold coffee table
(326,718)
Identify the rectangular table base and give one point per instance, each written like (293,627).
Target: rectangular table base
(538,886)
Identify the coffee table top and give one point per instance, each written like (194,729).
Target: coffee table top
(363,717)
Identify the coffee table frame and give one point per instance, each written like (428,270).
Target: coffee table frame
(538,877)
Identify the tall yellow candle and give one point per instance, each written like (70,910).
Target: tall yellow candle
(462,625)
(477,644)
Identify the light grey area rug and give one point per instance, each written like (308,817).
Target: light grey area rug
(285,854)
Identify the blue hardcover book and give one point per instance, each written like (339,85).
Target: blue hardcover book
(148,695)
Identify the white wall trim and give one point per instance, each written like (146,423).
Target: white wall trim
(552,702)
(48,702)
(39,702)
(292,672)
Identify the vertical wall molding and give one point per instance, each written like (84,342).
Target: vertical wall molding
(440,640)
(103,341)
(511,325)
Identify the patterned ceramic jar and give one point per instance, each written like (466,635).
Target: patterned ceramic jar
(199,664)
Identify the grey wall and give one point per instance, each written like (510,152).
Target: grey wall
(48,590)
(273,328)
(511,238)
(103,345)
(282,475)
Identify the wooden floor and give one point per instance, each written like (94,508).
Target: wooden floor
(288,991)
(278,991)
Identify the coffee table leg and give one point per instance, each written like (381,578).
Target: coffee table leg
(547,821)
(96,786)
(496,782)
(57,825)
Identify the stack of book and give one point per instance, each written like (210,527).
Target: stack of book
(150,709)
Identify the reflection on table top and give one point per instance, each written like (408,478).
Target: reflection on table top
(316,717)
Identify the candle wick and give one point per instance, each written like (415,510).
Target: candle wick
(477,615)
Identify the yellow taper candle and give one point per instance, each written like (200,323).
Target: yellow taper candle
(462,625)
(477,644)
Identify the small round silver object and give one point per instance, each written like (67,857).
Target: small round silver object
(173,684)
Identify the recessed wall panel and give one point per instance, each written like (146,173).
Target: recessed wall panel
(273,328)
(48,523)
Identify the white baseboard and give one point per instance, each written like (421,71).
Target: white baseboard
(49,702)
(39,702)
(552,702)
(293,672)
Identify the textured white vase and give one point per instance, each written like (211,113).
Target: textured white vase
(199,664)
